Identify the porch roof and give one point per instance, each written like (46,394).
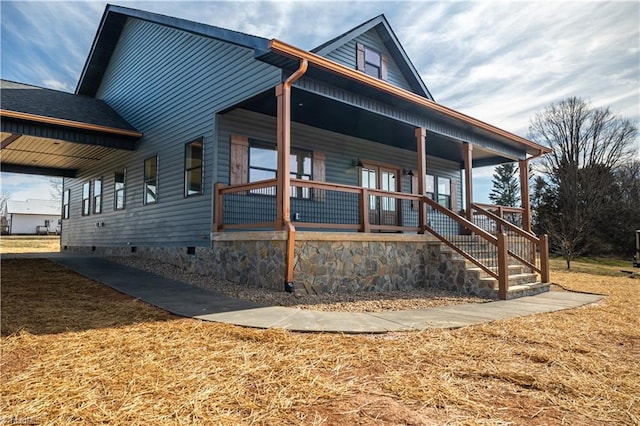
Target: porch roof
(49,132)
(288,57)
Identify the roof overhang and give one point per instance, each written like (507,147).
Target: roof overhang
(52,146)
(288,57)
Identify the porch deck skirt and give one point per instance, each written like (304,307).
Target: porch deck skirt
(325,262)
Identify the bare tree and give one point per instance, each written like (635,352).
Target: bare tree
(55,188)
(589,145)
(581,136)
(4,197)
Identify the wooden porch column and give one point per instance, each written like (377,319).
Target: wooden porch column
(421,135)
(523,165)
(283,202)
(468,179)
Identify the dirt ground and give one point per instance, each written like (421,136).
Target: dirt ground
(76,352)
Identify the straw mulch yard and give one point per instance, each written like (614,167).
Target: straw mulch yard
(75,352)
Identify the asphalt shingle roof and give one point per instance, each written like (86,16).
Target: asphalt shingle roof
(19,97)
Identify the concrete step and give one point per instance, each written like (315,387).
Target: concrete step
(513,269)
(514,280)
(527,290)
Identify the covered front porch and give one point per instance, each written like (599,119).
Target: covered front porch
(401,207)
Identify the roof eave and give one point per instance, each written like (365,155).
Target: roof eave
(286,50)
(69,123)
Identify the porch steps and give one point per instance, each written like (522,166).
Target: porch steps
(522,282)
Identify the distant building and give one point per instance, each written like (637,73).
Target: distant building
(33,217)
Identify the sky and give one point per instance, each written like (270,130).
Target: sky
(500,62)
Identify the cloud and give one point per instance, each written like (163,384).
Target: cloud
(22,187)
(497,61)
(57,85)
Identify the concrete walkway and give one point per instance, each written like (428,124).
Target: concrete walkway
(190,301)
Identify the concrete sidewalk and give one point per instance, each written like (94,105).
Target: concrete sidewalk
(187,300)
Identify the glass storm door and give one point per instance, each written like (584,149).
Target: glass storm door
(382,210)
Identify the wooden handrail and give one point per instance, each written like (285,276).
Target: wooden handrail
(543,270)
(247,186)
(461,252)
(506,224)
(506,209)
(326,186)
(461,221)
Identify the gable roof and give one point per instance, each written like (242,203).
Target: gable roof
(289,58)
(391,42)
(35,103)
(42,207)
(112,23)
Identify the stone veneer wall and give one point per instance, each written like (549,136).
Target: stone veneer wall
(328,263)
(324,262)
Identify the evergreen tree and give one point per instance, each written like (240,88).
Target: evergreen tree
(506,189)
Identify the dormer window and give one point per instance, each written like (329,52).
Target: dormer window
(371,61)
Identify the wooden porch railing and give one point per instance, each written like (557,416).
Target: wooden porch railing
(321,205)
(514,215)
(525,247)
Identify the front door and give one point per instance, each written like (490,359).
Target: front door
(382,210)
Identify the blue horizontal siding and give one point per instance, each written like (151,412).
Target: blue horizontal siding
(340,152)
(346,55)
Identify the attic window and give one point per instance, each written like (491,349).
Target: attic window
(371,61)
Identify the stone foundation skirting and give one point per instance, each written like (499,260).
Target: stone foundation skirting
(324,262)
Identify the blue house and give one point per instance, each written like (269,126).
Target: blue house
(329,170)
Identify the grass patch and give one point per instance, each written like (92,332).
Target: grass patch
(139,365)
(29,244)
(596,266)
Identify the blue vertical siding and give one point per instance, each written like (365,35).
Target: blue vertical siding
(168,84)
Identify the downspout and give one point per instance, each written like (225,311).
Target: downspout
(286,218)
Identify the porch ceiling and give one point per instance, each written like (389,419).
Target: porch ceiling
(46,156)
(321,112)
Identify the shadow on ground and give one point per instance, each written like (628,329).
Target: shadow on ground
(41,297)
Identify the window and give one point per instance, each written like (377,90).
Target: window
(97,196)
(119,189)
(151,180)
(440,193)
(263,164)
(263,161)
(65,203)
(300,169)
(193,168)
(430,187)
(444,192)
(372,62)
(86,199)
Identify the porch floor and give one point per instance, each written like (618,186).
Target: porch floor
(190,301)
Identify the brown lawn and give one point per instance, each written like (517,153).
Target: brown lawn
(75,352)
(29,244)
